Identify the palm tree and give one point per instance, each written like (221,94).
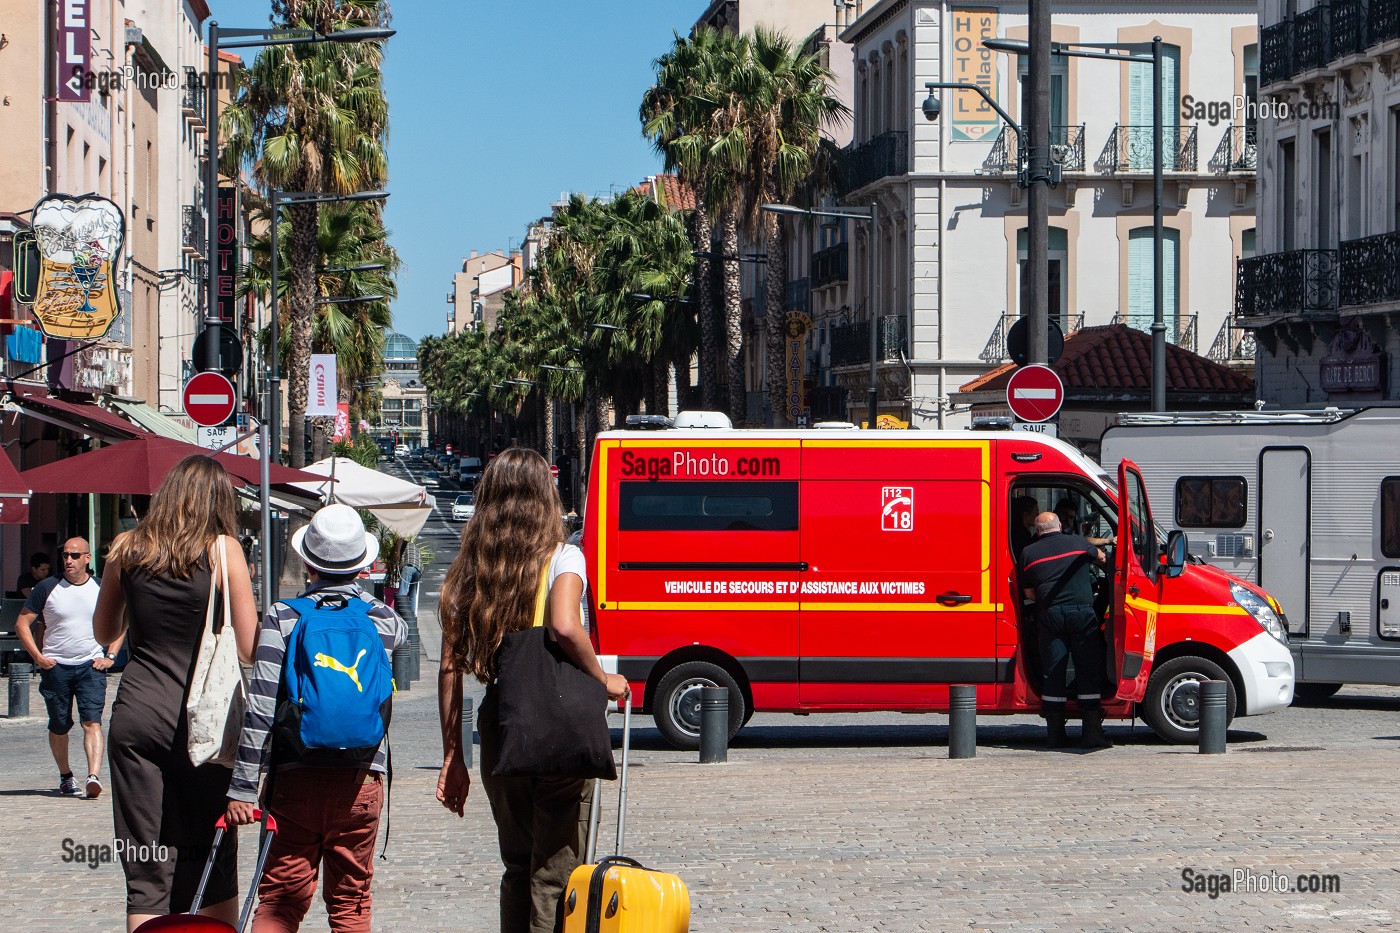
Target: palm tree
(349,235)
(310,118)
(680,113)
(787,106)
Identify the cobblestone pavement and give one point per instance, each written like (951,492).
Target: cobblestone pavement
(860,823)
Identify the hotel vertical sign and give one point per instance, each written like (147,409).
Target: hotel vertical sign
(973,118)
(226,253)
(74,51)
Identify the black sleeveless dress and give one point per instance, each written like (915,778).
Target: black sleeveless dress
(159,799)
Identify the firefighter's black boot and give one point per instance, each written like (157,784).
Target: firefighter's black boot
(1092,736)
(1055,729)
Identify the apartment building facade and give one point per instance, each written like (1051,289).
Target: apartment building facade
(950,243)
(478,291)
(1321,296)
(135,139)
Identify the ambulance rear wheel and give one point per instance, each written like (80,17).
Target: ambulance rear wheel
(1172,706)
(676,707)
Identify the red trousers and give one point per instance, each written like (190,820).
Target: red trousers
(324,816)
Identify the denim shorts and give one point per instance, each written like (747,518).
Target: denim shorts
(62,683)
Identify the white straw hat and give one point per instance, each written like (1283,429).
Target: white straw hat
(336,541)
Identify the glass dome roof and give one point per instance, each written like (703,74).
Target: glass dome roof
(399,347)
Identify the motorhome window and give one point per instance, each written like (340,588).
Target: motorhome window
(1210,501)
(1390,516)
(700,506)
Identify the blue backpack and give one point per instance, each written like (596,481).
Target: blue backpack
(338,682)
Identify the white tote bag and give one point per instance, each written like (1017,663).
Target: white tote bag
(217,699)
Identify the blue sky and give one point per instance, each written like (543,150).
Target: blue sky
(495,109)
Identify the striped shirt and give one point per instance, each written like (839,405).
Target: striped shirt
(266,681)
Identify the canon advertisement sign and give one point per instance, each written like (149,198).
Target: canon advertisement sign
(323,394)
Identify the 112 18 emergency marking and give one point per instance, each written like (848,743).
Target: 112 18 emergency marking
(897,508)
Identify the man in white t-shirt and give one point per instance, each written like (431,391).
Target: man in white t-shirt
(72,665)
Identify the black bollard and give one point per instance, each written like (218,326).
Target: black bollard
(714,725)
(19,688)
(1212,713)
(407,612)
(962,721)
(467,730)
(400,662)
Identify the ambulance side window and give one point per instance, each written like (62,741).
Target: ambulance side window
(703,506)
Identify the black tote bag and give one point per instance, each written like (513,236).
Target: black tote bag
(552,716)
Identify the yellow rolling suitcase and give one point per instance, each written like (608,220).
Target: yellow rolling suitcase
(617,894)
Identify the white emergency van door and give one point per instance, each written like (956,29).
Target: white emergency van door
(1285,503)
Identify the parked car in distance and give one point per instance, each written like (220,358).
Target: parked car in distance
(401,450)
(464,507)
(431,478)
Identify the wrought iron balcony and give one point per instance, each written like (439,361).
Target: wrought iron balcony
(192,100)
(894,337)
(1129,149)
(1370,269)
(1181,328)
(1295,282)
(995,350)
(1234,344)
(1348,27)
(799,296)
(1276,53)
(1312,39)
(1382,21)
(830,266)
(879,157)
(193,236)
(1008,155)
(1238,151)
(850,343)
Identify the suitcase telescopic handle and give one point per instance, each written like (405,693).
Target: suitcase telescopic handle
(220,827)
(595,808)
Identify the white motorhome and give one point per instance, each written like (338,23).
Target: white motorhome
(1306,504)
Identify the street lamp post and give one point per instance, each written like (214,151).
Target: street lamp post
(1147,53)
(872,216)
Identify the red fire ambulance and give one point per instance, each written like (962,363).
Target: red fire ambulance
(841,570)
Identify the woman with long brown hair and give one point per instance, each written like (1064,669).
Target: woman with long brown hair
(158,581)
(490,591)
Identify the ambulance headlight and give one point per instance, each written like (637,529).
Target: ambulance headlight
(1258,607)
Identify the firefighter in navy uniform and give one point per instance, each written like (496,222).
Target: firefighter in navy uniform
(1056,573)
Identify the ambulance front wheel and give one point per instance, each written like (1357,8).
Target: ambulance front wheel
(676,707)
(1172,706)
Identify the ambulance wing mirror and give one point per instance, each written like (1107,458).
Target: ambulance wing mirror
(1176,553)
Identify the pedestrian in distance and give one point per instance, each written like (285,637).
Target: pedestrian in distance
(72,664)
(326,757)
(160,577)
(491,590)
(1056,575)
(38,570)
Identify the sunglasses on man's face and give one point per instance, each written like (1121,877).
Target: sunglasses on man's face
(74,555)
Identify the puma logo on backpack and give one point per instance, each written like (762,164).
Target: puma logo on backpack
(327,704)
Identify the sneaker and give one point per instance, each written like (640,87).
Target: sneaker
(94,786)
(68,786)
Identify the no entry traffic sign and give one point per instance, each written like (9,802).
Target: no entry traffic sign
(1035,393)
(209,399)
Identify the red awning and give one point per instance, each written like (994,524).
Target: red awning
(14,494)
(137,467)
(74,416)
